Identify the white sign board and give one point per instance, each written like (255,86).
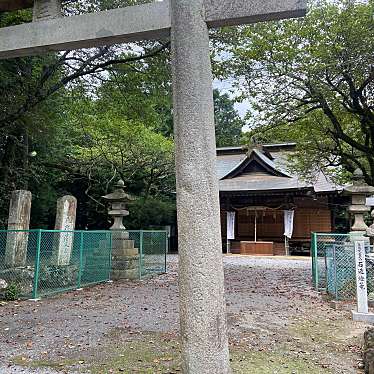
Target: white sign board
(361,285)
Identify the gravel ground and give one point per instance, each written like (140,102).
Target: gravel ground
(277,324)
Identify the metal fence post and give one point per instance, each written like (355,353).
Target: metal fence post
(335,271)
(166,249)
(80,260)
(141,236)
(315,260)
(110,243)
(37,264)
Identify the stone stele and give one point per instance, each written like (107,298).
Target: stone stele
(19,220)
(65,222)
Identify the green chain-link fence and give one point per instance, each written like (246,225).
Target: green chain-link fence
(37,263)
(333,265)
(153,247)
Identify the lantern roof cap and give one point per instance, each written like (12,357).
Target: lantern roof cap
(119,193)
(359,186)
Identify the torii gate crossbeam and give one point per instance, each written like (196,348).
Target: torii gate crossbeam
(142,22)
(202,302)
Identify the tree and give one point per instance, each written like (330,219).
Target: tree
(35,100)
(228,122)
(312,80)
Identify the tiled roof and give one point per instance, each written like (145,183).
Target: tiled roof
(265,180)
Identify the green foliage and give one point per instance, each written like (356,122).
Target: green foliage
(228,122)
(68,127)
(311,80)
(151,212)
(12,292)
(140,92)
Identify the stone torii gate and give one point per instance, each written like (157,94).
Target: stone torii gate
(202,303)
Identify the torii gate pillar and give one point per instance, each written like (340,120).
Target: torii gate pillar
(201,287)
(202,302)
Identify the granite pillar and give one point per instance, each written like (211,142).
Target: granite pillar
(201,289)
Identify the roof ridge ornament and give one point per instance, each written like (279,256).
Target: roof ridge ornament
(254,144)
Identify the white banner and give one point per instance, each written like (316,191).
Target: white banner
(230,225)
(362,295)
(370,201)
(288,223)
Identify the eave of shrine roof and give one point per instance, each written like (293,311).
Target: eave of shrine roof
(256,156)
(258,182)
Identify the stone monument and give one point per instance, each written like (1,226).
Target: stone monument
(125,257)
(19,220)
(65,221)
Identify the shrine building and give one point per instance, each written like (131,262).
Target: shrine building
(265,209)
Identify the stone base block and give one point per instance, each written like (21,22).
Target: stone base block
(125,252)
(120,235)
(121,243)
(118,274)
(363,317)
(125,262)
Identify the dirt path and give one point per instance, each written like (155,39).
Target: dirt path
(277,324)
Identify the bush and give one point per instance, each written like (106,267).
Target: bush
(12,292)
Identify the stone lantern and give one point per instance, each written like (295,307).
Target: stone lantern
(358,190)
(125,257)
(118,200)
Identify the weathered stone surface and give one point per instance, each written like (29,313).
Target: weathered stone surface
(121,252)
(202,304)
(238,12)
(369,351)
(130,274)
(134,23)
(46,9)
(19,219)
(126,263)
(147,21)
(65,221)
(370,229)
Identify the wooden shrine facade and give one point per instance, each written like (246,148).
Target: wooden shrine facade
(257,186)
